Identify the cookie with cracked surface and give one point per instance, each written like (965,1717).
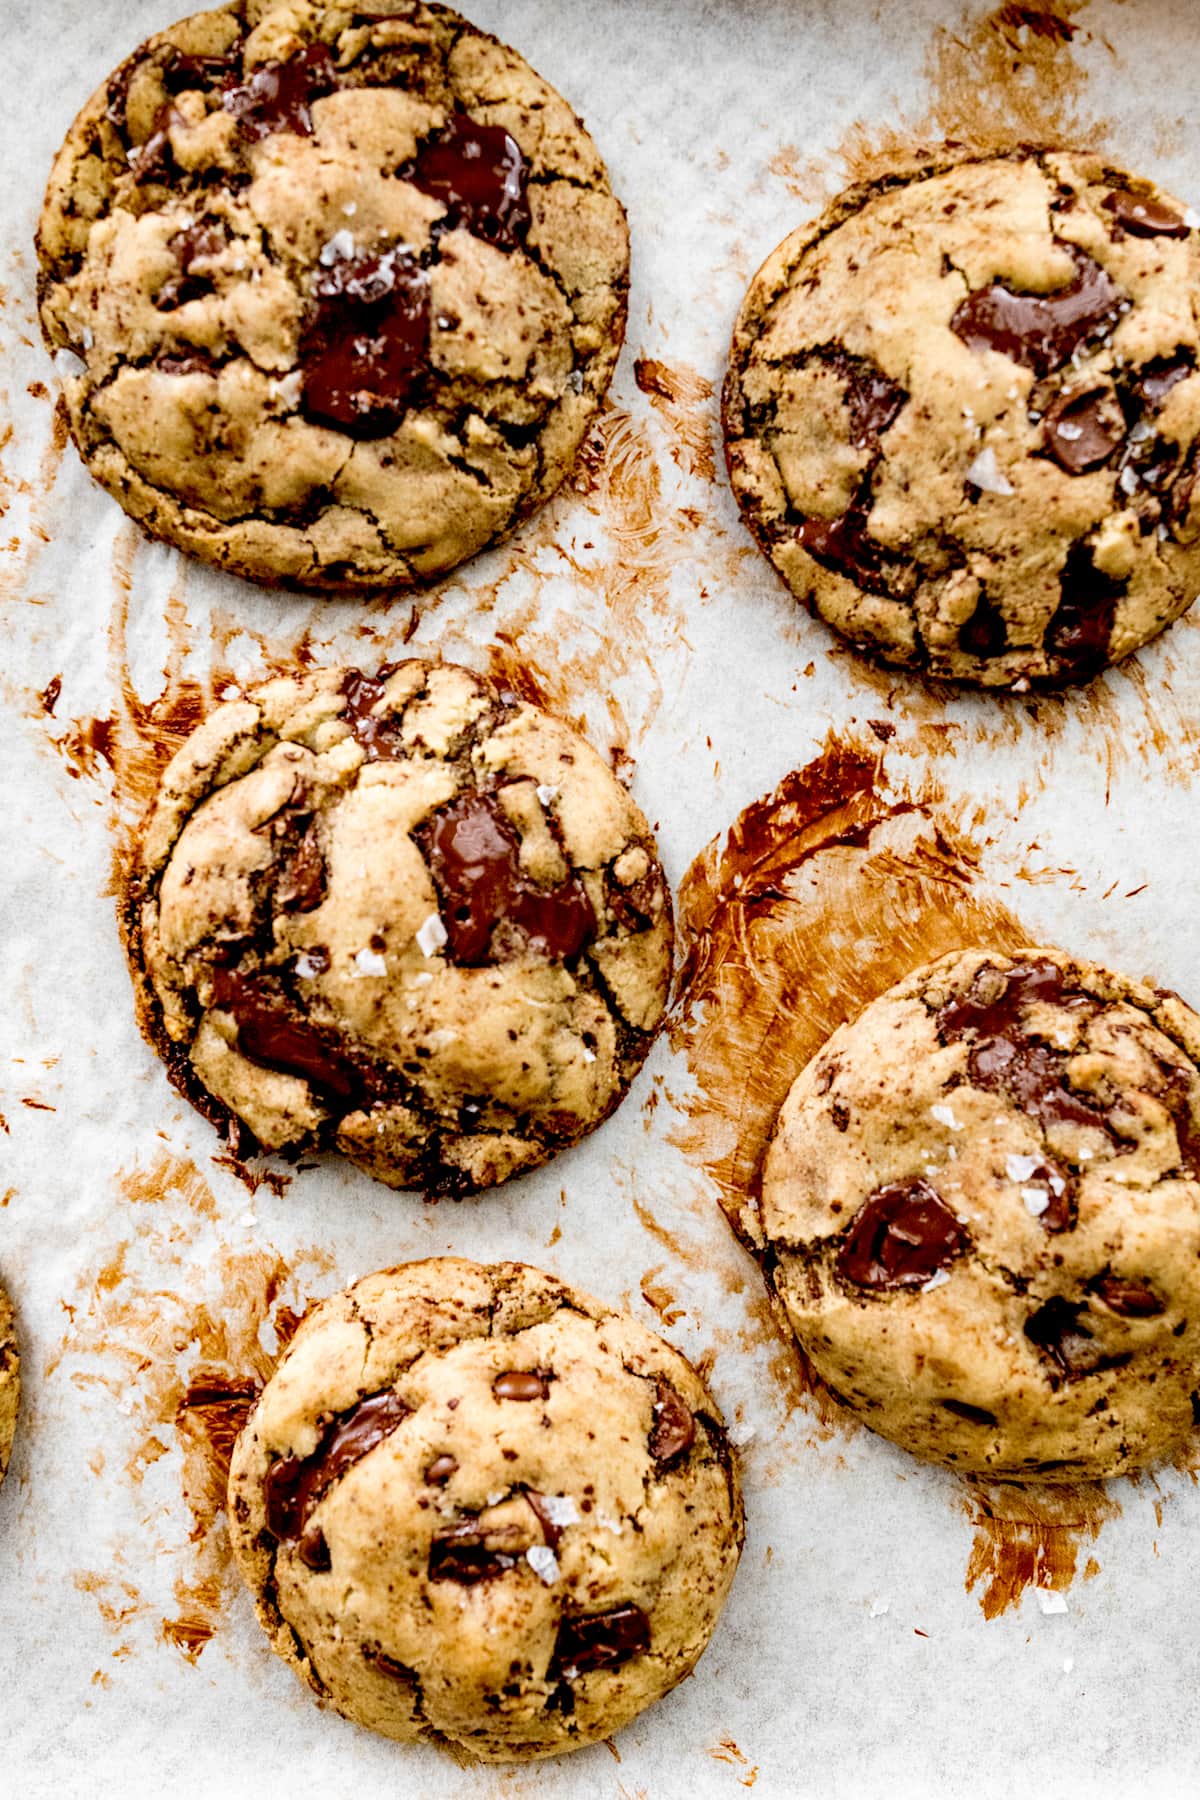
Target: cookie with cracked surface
(982,1202)
(476,1505)
(408,917)
(342,288)
(10,1381)
(962,416)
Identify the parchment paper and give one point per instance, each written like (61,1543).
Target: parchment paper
(130,1663)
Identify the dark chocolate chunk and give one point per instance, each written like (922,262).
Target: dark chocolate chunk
(189,74)
(993,1004)
(1042,331)
(674,1429)
(1154,380)
(985,633)
(301,883)
(278,96)
(520,1384)
(479,175)
(899,1237)
(293,1485)
(189,246)
(598,1641)
(440,1470)
(1058,1185)
(1083,427)
(1057,1329)
(366,348)
(313,1551)
(1176,1094)
(379,736)
(273,1032)
(1131,1299)
(975,1415)
(1143,216)
(469,1552)
(474,857)
(541,1512)
(152,161)
(1078,635)
(845,546)
(873,399)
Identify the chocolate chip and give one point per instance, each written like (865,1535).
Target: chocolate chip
(873,399)
(189,74)
(598,1641)
(845,546)
(474,856)
(674,1429)
(313,1551)
(1155,380)
(1042,331)
(153,161)
(479,175)
(985,634)
(1143,216)
(975,1415)
(1079,633)
(899,1237)
(520,1384)
(1058,1185)
(273,1032)
(1176,1094)
(1083,427)
(440,1470)
(379,736)
(1131,1299)
(301,884)
(293,1485)
(189,246)
(1057,1329)
(638,904)
(278,96)
(366,348)
(468,1553)
(541,1512)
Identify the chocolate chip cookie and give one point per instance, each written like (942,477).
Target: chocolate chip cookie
(406,916)
(476,1505)
(336,289)
(10,1381)
(982,1199)
(962,416)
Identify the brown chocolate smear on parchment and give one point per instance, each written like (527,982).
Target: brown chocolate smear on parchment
(684,400)
(182,1340)
(1029,1535)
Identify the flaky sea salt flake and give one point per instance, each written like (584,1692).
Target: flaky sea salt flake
(984,473)
(543,1562)
(432,936)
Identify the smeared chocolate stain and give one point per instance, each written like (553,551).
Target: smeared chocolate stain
(180,1345)
(1030,1536)
(681,397)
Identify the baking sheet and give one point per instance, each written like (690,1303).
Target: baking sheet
(857,1654)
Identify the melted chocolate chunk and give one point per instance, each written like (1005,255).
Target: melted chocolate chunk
(637,905)
(598,1641)
(537,1505)
(1058,1184)
(474,856)
(1056,1329)
(278,96)
(1005,1059)
(271,1031)
(293,1485)
(1082,429)
(379,737)
(975,1415)
(1142,216)
(189,246)
(313,1551)
(985,633)
(301,884)
(440,1470)
(1154,380)
(873,399)
(899,1237)
(520,1384)
(845,546)
(1176,1096)
(153,161)
(1079,633)
(1041,331)
(479,175)
(366,348)
(187,74)
(674,1430)
(468,1553)
(1131,1299)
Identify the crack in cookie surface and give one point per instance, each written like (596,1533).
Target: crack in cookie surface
(316,261)
(403,916)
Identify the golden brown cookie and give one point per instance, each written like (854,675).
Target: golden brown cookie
(962,415)
(336,289)
(476,1505)
(407,916)
(982,1200)
(10,1381)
